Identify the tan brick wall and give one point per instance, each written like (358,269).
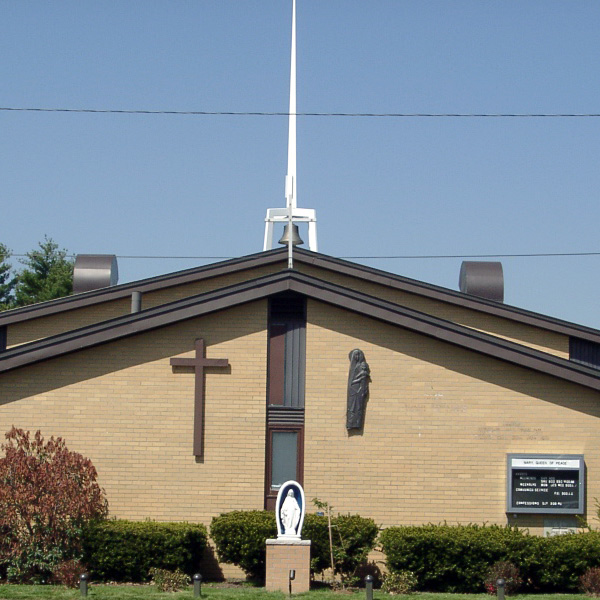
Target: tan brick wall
(439,423)
(123,406)
(534,337)
(35,329)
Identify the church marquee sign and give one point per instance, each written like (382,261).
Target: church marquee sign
(545,483)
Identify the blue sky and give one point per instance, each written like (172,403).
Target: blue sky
(175,185)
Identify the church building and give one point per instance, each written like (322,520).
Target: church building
(202,391)
(234,377)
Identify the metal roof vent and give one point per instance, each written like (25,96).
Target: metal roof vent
(483,279)
(94,271)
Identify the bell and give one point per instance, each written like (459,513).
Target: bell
(285,238)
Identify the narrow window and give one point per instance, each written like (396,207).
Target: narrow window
(285,393)
(285,457)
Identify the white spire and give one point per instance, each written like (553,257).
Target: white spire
(290,183)
(291,213)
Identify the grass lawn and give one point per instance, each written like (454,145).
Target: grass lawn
(220,592)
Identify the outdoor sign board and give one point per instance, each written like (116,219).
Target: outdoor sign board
(545,483)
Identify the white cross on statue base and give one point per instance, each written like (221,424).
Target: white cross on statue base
(299,215)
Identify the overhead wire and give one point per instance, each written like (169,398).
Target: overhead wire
(300,114)
(327,114)
(399,256)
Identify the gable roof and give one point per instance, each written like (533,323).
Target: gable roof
(311,287)
(279,255)
(151,284)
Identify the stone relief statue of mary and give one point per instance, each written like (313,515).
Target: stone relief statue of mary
(358,389)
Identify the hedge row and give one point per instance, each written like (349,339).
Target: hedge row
(119,550)
(444,558)
(240,538)
(456,558)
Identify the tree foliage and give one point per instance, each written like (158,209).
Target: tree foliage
(47,495)
(8,279)
(48,274)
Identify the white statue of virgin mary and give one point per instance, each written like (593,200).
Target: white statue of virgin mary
(290,509)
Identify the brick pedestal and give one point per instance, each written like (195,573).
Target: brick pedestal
(282,556)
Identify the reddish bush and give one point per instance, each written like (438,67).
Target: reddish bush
(47,493)
(590,581)
(503,570)
(67,573)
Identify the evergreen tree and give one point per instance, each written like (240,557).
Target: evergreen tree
(7,279)
(48,274)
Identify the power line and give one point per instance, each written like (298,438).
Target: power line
(301,114)
(532,255)
(400,256)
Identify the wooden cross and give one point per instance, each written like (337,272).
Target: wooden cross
(198,363)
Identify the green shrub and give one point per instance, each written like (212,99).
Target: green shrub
(120,550)
(315,530)
(456,558)
(451,558)
(240,538)
(169,581)
(399,582)
(563,559)
(353,538)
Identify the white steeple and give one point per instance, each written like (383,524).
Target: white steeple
(291,213)
(290,180)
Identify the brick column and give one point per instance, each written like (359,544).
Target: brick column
(282,556)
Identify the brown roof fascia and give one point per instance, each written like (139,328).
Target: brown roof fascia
(313,288)
(146,320)
(442,294)
(459,335)
(307,257)
(125,290)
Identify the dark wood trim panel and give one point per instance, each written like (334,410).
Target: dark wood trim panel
(276,370)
